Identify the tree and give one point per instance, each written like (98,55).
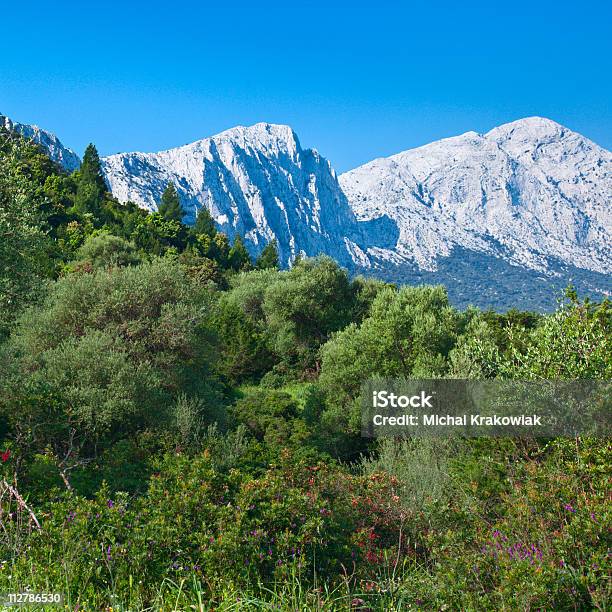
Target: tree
(239,258)
(170,205)
(137,336)
(22,239)
(242,327)
(305,306)
(205,224)
(572,343)
(408,333)
(102,251)
(91,186)
(268,257)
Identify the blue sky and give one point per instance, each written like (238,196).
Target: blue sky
(357,80)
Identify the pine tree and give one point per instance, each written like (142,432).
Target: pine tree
(90,183)
(205,224)
(268,258)
(239,258)
(170,205)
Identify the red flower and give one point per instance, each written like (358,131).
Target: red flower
(5,456)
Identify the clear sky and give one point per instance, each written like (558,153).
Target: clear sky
(357,80)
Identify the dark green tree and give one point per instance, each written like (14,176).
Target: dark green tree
(170,205)
(268,257)
(239,256)
(90,184)
(132,361)
(205,224)
(23,241)
(306,305)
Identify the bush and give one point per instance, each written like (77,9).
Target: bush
(102,251)
(136,336)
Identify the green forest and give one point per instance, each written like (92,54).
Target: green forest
(180,424)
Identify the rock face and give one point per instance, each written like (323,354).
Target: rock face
(60,154)
(257,182)
(528,192)
(514,214)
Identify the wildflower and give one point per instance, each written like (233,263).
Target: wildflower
(110,503)
(5,455)
(569,508)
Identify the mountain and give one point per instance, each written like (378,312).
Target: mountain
(257,182)
(510,217)
(60,154)
(513,212)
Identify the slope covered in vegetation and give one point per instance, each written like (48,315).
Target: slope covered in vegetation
(179,425)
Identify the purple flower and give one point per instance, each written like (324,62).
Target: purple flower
(110,503)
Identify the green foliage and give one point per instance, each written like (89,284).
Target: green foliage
(273,417)
(219,527)
(102,251)
(188,418)
(422,469)
(136,336)
(268,258)
(574,342)
(366,290)
(23,240)
(239,258)
(170,206)
(241,325)
(408,333)
(185,429)
(90,184)
(205,224)
(309,302)
(269,318)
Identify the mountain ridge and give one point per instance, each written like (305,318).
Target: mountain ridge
(257,181)
(60,154)
(476,192)
(525,205)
